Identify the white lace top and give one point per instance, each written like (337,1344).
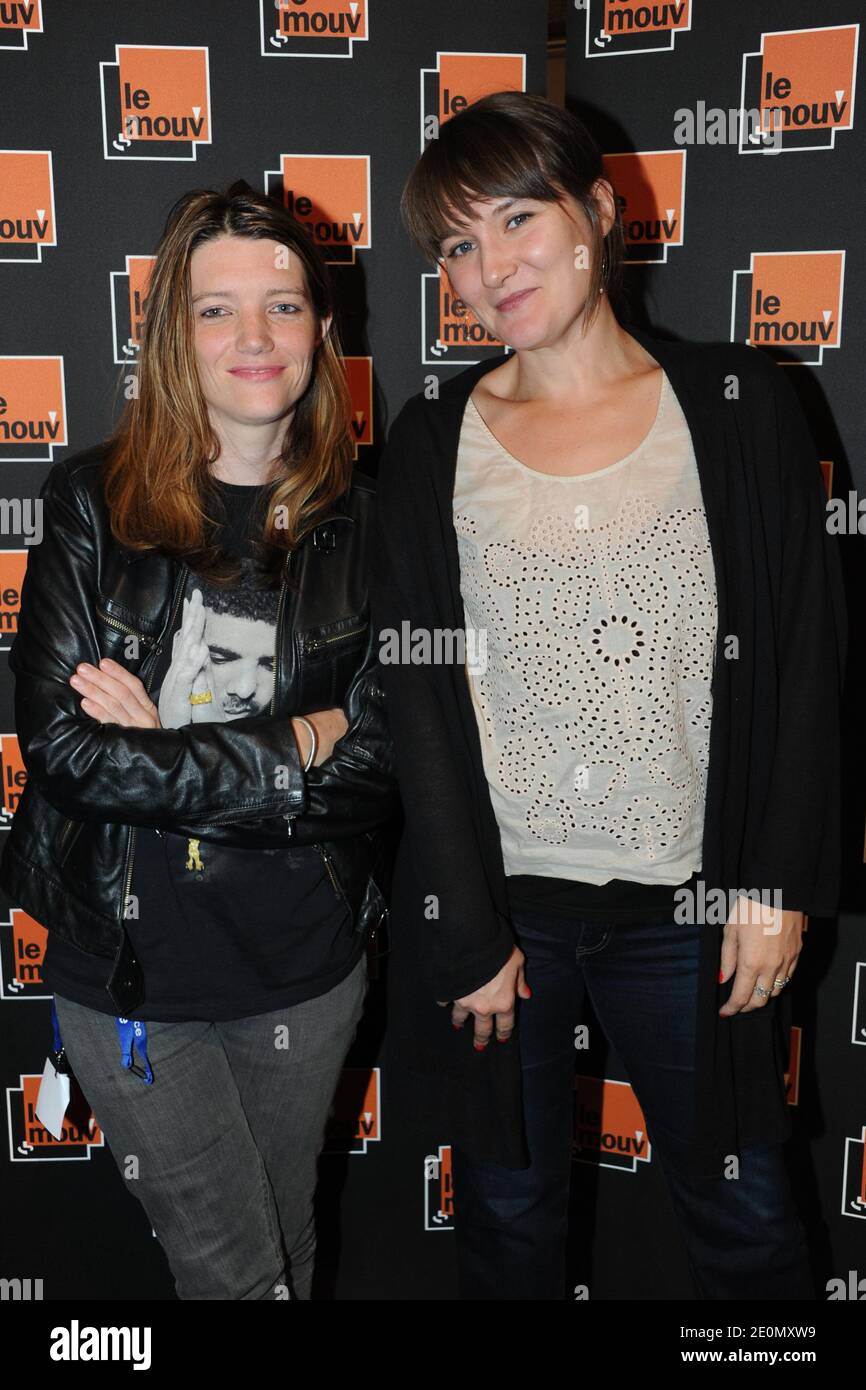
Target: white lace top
(593,602)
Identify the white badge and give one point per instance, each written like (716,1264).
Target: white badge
(53,1099)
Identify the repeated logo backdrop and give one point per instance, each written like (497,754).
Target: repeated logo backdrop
(327,103)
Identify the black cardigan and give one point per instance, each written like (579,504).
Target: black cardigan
(772,817)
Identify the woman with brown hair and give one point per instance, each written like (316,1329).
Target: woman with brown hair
(634,528)
(199,712)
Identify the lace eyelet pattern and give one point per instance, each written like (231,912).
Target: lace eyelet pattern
(597,595)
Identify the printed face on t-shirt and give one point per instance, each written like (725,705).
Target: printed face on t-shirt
(222,656)
(242,659)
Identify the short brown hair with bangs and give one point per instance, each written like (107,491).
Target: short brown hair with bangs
(513,144)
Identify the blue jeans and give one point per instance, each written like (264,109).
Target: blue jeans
(743,1237)
(227,1138)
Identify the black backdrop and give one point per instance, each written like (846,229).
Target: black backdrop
(76,230)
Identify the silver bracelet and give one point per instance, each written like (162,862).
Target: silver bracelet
(315,742)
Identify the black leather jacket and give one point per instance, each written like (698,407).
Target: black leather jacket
(69,853)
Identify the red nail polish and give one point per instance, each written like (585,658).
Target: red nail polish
(498,1039)
(721,977)
(528,992)
(479,1047)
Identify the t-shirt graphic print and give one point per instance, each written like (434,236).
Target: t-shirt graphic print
(222,656)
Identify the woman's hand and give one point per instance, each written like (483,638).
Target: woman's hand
(112,695)
(329,724)
(761,951)
(493,1000)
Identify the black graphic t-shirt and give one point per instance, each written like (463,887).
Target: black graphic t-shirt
(220,932)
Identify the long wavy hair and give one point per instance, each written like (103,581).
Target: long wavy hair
(157,479)
(514,144)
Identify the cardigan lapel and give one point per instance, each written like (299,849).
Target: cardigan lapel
(452,406)
(452,403)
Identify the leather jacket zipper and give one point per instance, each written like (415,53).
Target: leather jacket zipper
(287,569)
(313,645)
(124,627)
(63,841)
(287,566)
(130,843)
(277,630)
(67,825)
(316,642)
(332,874)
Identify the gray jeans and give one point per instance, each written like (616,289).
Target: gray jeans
(227,1138)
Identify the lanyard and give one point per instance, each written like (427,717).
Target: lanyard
(58,1045)
(58,1056)
(131,1032)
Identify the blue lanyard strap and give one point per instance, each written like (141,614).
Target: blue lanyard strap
(58,1056)
(55,1024)
(133,1033)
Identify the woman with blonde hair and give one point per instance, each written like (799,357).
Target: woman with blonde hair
(635,528)
(199,712)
